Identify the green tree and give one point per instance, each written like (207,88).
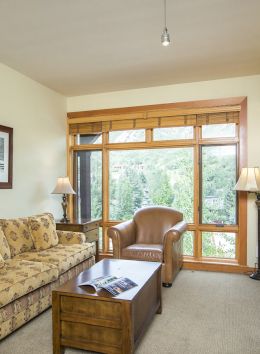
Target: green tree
(96,185)
(160,190)
(124,198)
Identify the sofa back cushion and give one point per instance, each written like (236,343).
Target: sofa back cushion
(17,234)
(4,247)
(43,231)
(2,262)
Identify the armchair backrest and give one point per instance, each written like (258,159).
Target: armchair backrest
(153,222)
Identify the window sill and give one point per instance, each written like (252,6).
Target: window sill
(216,266)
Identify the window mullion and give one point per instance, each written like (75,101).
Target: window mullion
(148,135)
(197,211)
(105,190)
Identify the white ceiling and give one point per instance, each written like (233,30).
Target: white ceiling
(87,46)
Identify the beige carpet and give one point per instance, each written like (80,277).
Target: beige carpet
(203,313)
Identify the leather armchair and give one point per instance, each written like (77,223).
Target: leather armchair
(154,234)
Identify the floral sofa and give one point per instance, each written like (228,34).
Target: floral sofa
(34,260)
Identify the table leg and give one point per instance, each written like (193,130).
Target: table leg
(56,330)
(159,289)
(127,333)
(97,251)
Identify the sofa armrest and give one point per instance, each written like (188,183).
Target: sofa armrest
(122,235)
(70,237)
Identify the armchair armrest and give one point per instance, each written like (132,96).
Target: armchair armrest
(122,235)
(173,235)
(70,237)
(175,232)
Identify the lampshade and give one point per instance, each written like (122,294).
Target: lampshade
(249,180)
(63,186)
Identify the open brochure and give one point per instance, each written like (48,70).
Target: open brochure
(111,283)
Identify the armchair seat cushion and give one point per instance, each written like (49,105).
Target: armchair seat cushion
(143,252)
(19,277)
(63,257)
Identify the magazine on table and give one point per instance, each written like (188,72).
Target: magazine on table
(110,283)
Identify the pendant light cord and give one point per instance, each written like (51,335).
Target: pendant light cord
(165,37)
(165,13)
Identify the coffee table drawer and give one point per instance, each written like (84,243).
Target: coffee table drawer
(98,310)
(84,333)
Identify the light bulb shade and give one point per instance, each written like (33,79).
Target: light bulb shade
(63,186)
(249,180)
(165,37)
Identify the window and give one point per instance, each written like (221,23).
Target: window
(218,181)
(139,178)
(218,244)
(127,136)
(89,139)
(219,131)
(188,243)
(156,157)
(173,133)
(88,184)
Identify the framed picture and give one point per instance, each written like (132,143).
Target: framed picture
(6,157)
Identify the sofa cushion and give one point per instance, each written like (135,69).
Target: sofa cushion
(70,237)
(17,234)
(62,256)
(43,231)
(2,262)
(4,247)
(20,277)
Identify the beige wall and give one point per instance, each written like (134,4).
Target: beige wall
(244,86)
(38,117)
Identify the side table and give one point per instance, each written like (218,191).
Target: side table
(88,227)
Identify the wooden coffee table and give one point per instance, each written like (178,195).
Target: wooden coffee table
(99,322)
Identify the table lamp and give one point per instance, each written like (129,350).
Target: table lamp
(63,186)
(249,181)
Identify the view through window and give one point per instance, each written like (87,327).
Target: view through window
(88,184)
(139,178)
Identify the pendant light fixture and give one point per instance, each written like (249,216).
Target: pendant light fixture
(165,37)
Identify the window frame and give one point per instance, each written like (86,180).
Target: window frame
(196,143)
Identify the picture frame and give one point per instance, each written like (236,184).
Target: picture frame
(6,157)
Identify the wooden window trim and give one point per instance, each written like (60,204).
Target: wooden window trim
(86,125)
(190,107)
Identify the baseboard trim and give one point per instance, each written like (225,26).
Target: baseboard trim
(217,267)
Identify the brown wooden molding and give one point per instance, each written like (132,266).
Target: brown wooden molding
(9,183)
(242,196)
(183,105)
(217,267)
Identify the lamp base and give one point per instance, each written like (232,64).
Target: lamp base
(255,275)
(65,220)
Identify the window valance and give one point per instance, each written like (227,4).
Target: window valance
(152,119)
